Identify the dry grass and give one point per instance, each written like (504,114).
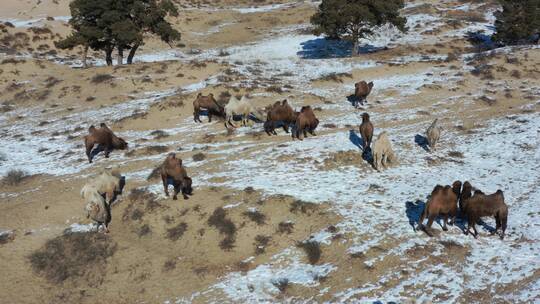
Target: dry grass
(261,241)
(72,256)
(302,206)
(199,157)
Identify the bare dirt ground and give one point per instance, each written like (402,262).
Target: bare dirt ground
(287,199)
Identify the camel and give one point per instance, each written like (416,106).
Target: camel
(210,104)
(366,131)
(279,113)
(362,90)
(103,137)
(305,122)
(433,134)
(382,152)
(172,169)
(240,107)
(480,205)
(443,201)
(96,207)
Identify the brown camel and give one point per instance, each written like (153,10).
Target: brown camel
(443,201)
(103,137)
(366,131)
(362,90)
(210,104)
(305,122)
(172,169)
(279,113)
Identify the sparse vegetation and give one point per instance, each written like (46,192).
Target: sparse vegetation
(73,255)
(199,157)
(261,241)
(225,226)
(285,227)
(101,78)
(302,206)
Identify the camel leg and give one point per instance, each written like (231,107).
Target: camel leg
(427,228)
(475,231)
(444,222)
(286,127)
(89,147)
(305,133)
(165,184)
(498,224)
(176,190)
(209,116)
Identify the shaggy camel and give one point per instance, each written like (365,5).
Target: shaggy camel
(362,90)
(305,122)
(480,205)
(366,131)
(208,103)
(96,207)
(443,201)
(382,152)
(103,137)
(466,193)
(240,107)
(433,133)
(109,184)
(279,113)
(172,169)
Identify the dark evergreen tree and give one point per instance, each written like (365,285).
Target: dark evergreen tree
(354,19)
(121,24)
(518,22)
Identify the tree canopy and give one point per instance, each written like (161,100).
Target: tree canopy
(518,22)
(118,24)
(354,19)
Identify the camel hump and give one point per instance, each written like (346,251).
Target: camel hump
(284,102)
(102,125)
(92,129)
(211,95)
(370,84)
(199,95)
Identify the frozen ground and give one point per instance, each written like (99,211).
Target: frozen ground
(503,154)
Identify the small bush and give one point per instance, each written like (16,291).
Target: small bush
(255,216)
(304,207)
(285,227)
(261,241)
(312,250)
(227,243)
(169,265)
(144,230)
(158,134)
(199,156)
(177,231)
(219,220)
(14,177)
(100,78)
(336,77)
(73,255)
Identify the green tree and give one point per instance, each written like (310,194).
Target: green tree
(354,19)
(121,24)
(518,22)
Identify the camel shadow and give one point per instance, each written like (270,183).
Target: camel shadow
(413,211)
(100,148)
(354,100)
(359,142)
(421,141)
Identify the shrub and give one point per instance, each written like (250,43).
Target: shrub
(312,250)
(285,227)
(199,157)
(255,216)
(261,241)
(73,255)
(177,231)
(100,78)
(14,177)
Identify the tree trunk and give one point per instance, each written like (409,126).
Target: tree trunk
(132,53)
(120,55)
(108,55)
(355,48)
(85,54)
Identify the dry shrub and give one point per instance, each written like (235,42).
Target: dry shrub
(225,226)
(14,177)
(302,206)
(100,78)
(176,232)
(72,256)
(274,89)
(285,227)
(255,216)
(336,77)
(455,154)
(261,241)
(199,156)
(169,265)
(158,134)
(144,230)
(312,250)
